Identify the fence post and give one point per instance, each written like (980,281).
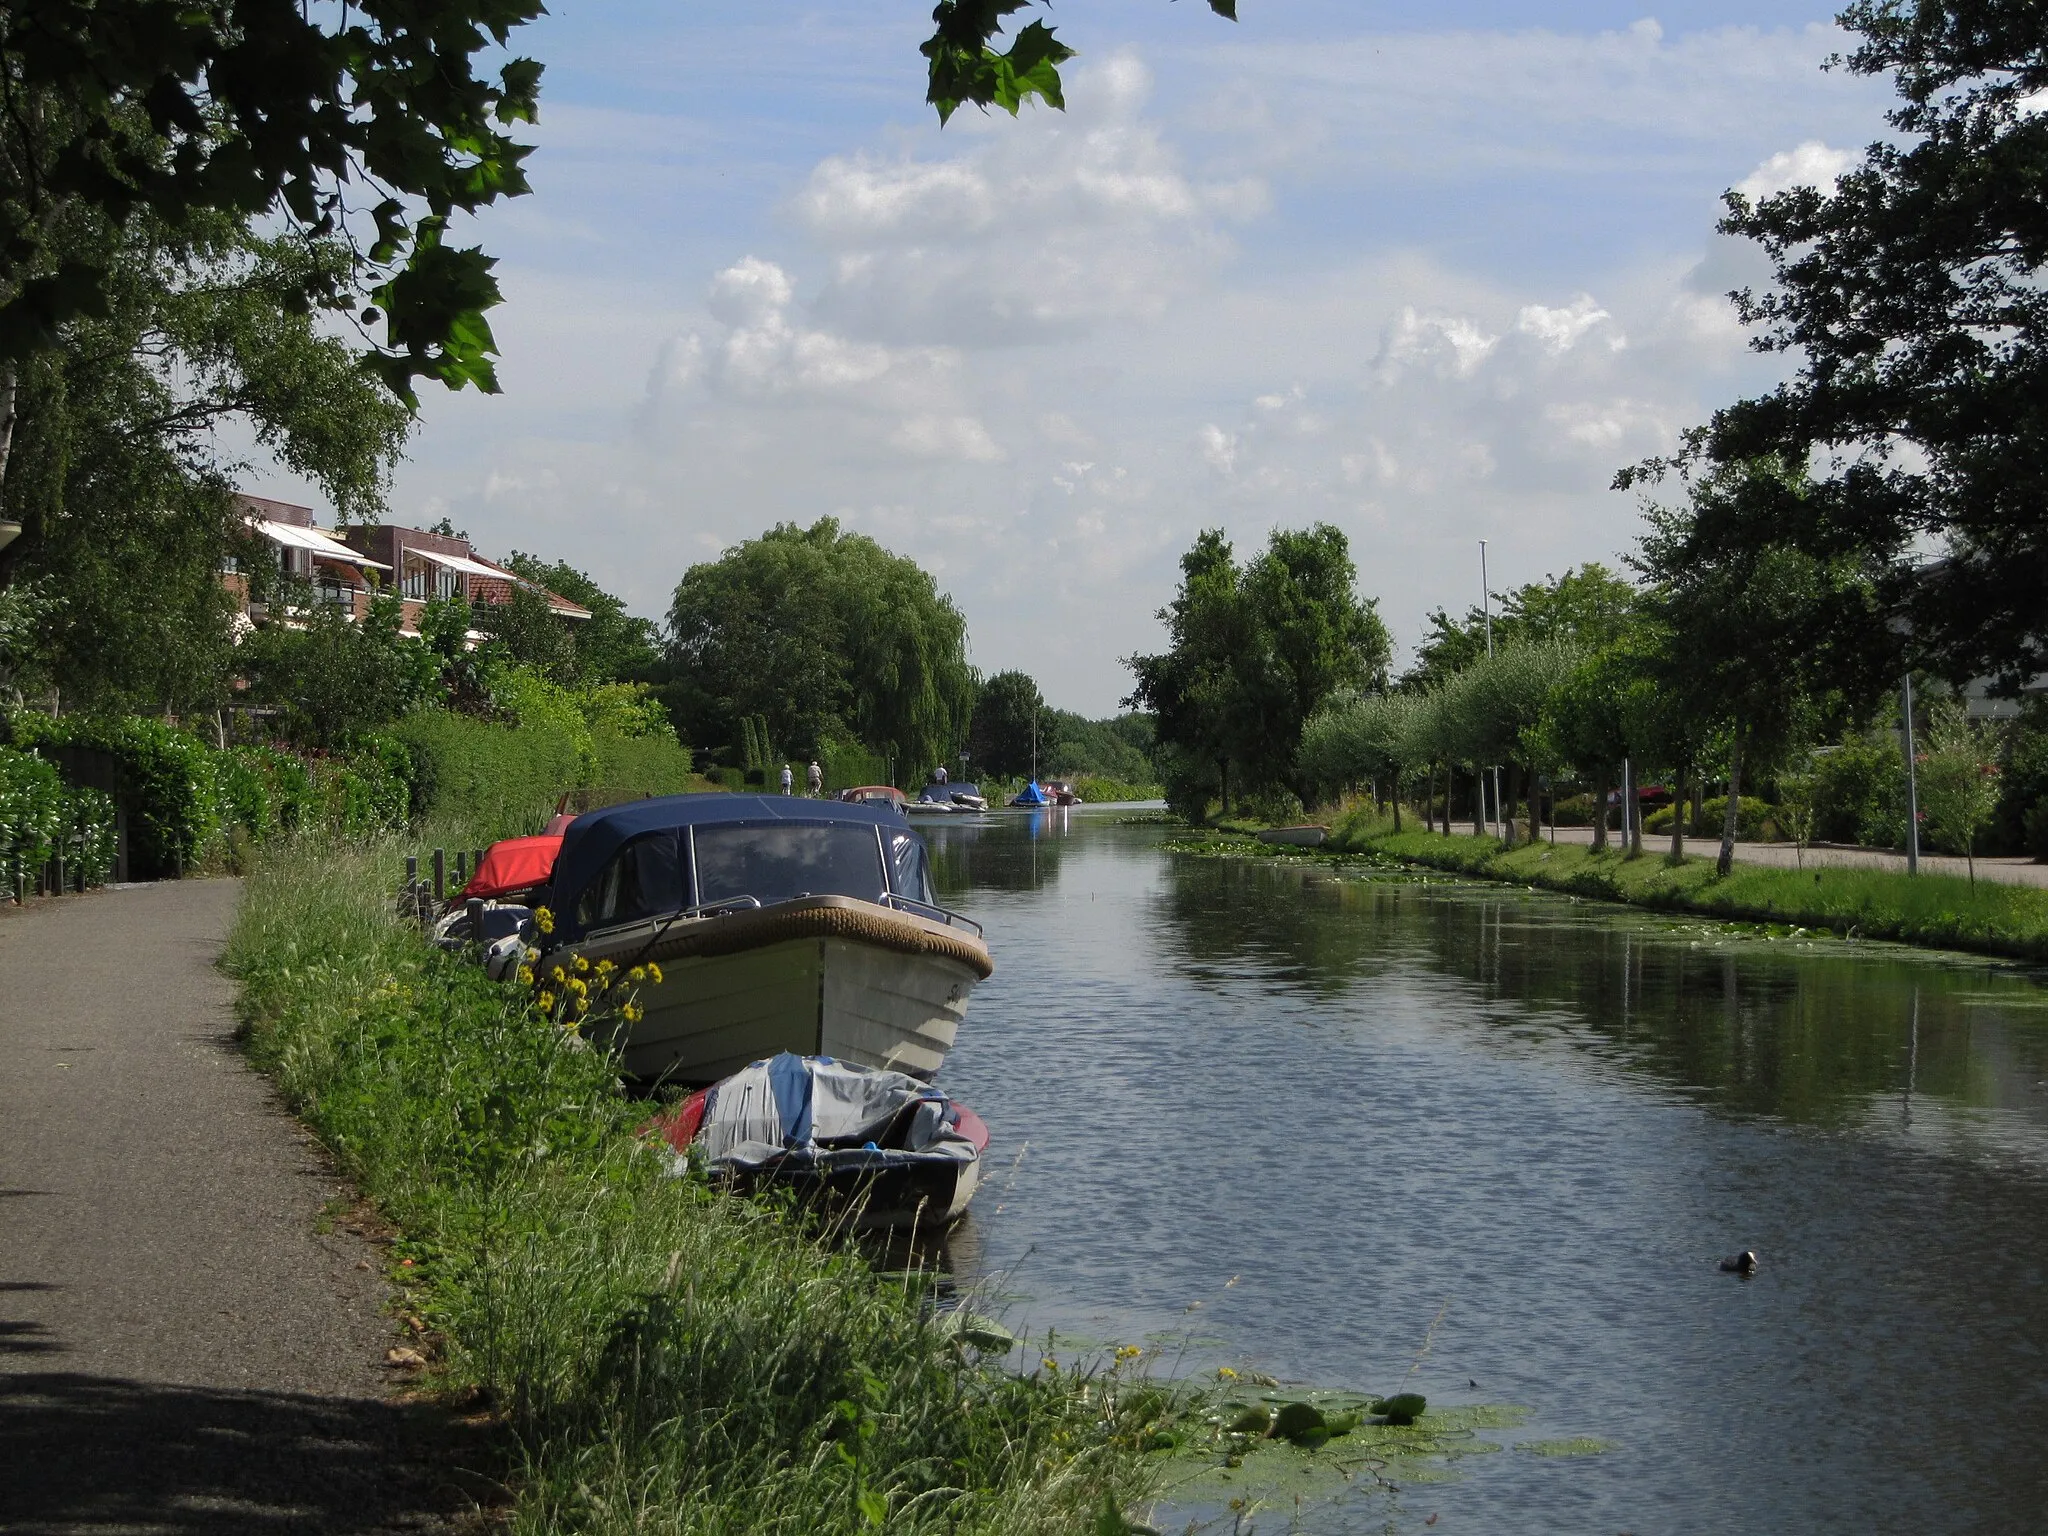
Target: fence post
(476,921)
(412,870)
(460,878)
(440,875)
(476,862)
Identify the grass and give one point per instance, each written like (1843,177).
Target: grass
(662,1359)
(1936,910)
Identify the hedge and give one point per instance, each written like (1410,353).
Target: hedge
(630,766)
(169,784)
(40,819)
(501,779)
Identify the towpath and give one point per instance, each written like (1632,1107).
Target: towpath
(187,1342)
(2004,871)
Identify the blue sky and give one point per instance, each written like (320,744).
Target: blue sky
(1430,273)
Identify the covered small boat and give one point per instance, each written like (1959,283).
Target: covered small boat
(1030,795)
(874,794)
(774,924)
(1295,837)
(886,1149)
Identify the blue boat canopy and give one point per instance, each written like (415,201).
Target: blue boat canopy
(1031,794)
(593,839)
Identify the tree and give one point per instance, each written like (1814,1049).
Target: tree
(964,68)
(1958,782)
(1589,606)
(825,635)
(532,634)
(1911,294)
(191,112)
(1252,654)
(119,480)
(1006,720)
(611,645)
(330,679)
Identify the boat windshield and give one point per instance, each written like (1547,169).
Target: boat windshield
(643,878)
(780,861)
(909,874)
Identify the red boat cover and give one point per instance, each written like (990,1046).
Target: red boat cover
(517,864)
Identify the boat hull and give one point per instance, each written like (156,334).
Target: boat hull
(1295,837)
(873,987)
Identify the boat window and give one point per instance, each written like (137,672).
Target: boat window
(783,860)
(909,873)
(642,879)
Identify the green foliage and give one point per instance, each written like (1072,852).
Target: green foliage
(119,479)
(1859,792)
(1008,715)
(33,803)
(502,779)
(611,646)
(1958,781)
(624,709)
(331,679)
(2021,824)
(665,1357)
(1099,789)
(821,634)
(628,767)
(848,765)
(1073,747)
(528,633)
(1590,608)
(169,783)
(193,112)
(1252,654)
(1754,819)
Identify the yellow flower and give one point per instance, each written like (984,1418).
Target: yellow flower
(526,975)
(582,964)
(582,1004)
(605,967)
(546,1001)
(579,986)
(543,919)
(654,973)
(1226,1373)
(1129,1352)
(632,1014)
(638,973)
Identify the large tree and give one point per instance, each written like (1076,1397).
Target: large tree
(825,635)
(1004,735)
(1252,653)
(611,646)
(121,483)
(1911,295)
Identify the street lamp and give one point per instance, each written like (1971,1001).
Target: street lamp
(1486,610)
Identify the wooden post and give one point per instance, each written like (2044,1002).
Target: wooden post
(461,859)
(440,875)
(476,920)
(412,870)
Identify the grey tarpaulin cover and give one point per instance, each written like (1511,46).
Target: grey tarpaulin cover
(815,1108)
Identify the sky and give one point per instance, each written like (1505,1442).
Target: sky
(1430,273)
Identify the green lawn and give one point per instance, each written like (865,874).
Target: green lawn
(1937,910)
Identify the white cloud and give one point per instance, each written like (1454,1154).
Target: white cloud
(1812,164)
(1559,330)
(946,437)
(1450,345)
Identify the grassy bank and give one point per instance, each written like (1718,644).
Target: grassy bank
(1937,910)
(662,1358)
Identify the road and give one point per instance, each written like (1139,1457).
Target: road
(182,1347)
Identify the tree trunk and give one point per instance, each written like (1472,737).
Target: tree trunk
(1631,811)
(1679,812)
(1510,787)
(8,378)
(1478,801)
(1394,795)
(1223,779)
(1450,782)
(1727,860)
(1601,789)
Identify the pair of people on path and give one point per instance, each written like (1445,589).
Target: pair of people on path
(815,774)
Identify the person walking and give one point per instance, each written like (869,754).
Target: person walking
(817,777)
(788,778)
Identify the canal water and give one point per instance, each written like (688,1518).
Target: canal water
(1382,1133)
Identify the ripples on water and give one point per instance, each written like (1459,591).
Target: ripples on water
(1376,1101)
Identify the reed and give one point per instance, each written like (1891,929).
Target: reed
(1936,910)
(662,1358)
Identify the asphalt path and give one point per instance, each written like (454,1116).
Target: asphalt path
(188,1340)
(2001,871)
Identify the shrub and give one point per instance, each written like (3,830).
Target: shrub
(2020,824)
(1859,792)
(503,779)
(631,766)
(1754,819)
(1096,788)
(169,783)
(40,819)
(1575,811)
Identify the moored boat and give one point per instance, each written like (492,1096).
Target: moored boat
(1295,837)
(768,924)
(884,1149)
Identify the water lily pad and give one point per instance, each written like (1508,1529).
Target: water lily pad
(1578,1445)
(1403,1408)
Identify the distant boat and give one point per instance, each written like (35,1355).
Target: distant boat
(777,924)
(874,794)
(1030,796)
(948,798)
(884,1149)
(1295,837)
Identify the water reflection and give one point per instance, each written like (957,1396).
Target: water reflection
(1373,1102)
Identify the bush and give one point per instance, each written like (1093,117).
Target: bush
(631,766)
(41,819)
(1576,811)
(2020,824)
(169,783)
(1096,788)
(1859,792)
(502,779)
(1754,820)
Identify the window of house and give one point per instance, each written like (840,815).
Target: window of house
(781,861)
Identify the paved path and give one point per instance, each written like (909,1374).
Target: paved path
(180,1350)
(2005,871)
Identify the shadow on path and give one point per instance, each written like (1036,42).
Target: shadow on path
(100,1454)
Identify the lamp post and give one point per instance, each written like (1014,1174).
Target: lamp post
(1912,777)
(1486,611)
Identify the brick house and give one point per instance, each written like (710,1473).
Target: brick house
(347,566)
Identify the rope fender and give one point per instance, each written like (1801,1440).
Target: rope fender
(830,917)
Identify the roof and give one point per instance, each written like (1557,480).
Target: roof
(594,837)
(327,547)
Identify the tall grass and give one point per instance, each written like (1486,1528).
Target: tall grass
(1940,910)
(664,1358)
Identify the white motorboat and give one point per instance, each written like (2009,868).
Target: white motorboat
(774,924)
